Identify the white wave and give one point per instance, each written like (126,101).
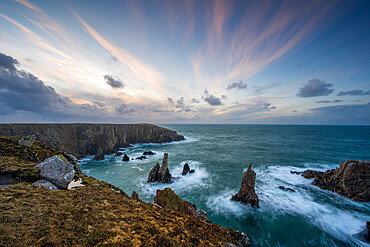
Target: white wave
(181,183)
(187,140)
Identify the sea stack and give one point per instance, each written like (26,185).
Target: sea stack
(126,158)
(99,155)
(160,173)
(186,169)
(246,193)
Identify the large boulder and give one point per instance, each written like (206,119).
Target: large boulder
(350,179)
(57,170)
(153,174)
(46,184)
(164,174)
(246,193)
(186,169)
(168,199)
(99,155)
(27,141)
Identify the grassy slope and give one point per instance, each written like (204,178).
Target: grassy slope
(97,214)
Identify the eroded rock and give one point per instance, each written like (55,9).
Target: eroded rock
(135,195)
(246,193)
(149,153)
(153,174)
(170,200)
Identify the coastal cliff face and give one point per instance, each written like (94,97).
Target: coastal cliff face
(86,139)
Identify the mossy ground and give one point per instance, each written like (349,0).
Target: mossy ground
(97,214)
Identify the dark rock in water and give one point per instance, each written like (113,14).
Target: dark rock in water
(368,230)
(119,153)
(57,170)
(286,188)
(294,172)
(149,153)
(246,193)
(201,214)
(186,169)
(126,158)
(99,155)
(164,174)
(27,141)
(153,174)
(350,179)
(135,195)
(141,157)
(46,184)
(168,199)
(191,171)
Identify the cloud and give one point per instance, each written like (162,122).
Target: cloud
(328,101)
(171,101)
(21,92)
(224,96)
(194,100)
(179,105)
(260,89)
(237,85)
(99,104)
(314,88)
(123,109)
(113,81)
(355,92)
(211,99)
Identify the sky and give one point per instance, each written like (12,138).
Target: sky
(206,62)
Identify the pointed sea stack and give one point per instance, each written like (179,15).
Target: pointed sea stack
(161,174)
(153,174)
(126,158)
(246,193)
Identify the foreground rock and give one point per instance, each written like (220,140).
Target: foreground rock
(99,155)
(350,179)
(246,193)
(160,173)
(186,169)
(135,195)
(168,199)
(27,141)
(57,170)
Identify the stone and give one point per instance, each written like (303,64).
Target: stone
(368,230)
(186,169)
(141,157)
(27,141)
(201,214)
(295,172)
(153,174)
(57,170)
(286,188)
(99,155)
(119,153)
(135,195)
(149,153)
(350,179)
(191,171)
(164,174)
(246,193)
(126,158)
(46,184)
(170,200)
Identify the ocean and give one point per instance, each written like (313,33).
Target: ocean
(221,153)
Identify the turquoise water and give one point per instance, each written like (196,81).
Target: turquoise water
(220,153)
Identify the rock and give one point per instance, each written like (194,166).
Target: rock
(164,174)
(368,230)
(286,188)
(135,195)
(27,141)
(153,174)
(99,155)
(186,169)
(46,184)
(57,170)
(243,241)
(149,153)
(168,199)
(191,171)
(119,153)
(126,158)
(350,179)
(246,193)
(294,172)
(201,214)
(141,157)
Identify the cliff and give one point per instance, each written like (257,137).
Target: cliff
(93,215)
(86,139)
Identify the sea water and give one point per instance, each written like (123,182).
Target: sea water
(220,154)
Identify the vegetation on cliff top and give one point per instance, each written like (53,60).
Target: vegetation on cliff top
(96,214)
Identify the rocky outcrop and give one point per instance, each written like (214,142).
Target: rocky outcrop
(135,195)
(57,170)
(350,179)
(142,157)
(286,188)
(168,199)
(46,184)
(246,193)
(125,158)
(86,139)
(148,153)
(27,141)
(160,173)
(201,214)
(99,155)
(186,169)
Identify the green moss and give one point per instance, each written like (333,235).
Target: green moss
(60,156)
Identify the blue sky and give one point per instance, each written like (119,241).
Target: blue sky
(238,62)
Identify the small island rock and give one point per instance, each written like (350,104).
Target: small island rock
(246,193)
(186,169)
(126,158)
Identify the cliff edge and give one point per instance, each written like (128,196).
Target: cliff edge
(86,139)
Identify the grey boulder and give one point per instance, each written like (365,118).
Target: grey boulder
(46,184)
(57,170)
(27,141)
